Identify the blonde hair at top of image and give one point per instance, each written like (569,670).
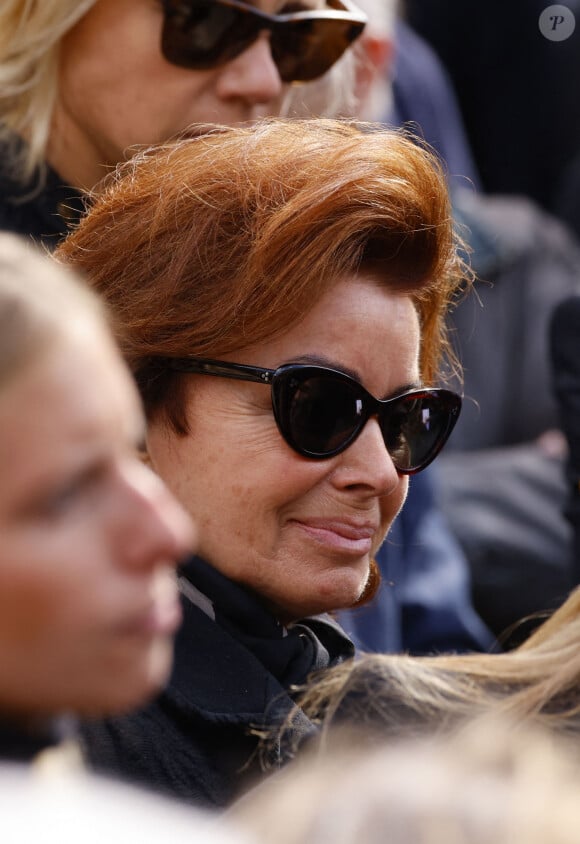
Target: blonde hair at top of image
(30,35)
(40,302)
(31,32)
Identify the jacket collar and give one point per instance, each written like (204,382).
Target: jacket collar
(233,658)
(44,197)
(20,742)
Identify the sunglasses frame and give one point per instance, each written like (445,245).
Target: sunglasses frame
(372,406)
(340,10)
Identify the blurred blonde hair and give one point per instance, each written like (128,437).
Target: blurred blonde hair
(494,781)
(394,695)
(39,303)
(30,35)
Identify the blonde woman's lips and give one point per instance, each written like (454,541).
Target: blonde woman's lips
(160,618)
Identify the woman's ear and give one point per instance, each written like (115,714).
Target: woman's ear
(372,75)
(144,456)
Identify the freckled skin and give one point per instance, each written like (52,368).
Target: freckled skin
(252,494)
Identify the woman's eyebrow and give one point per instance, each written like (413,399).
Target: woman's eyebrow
(321,360)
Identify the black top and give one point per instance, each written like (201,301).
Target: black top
(43,210)
(21,743)
(234,665)
(515,88)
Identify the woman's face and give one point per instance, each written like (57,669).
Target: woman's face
(299,532)
(88,536)
(117,90)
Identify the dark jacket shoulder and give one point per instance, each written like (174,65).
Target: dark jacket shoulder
(42,208)
(195,740)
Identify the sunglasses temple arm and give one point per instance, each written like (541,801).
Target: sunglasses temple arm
(238,371)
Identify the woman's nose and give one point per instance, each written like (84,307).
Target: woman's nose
(153,527)
(252,76)
(367,464)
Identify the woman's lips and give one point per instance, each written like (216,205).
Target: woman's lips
(161,618)
(348,537)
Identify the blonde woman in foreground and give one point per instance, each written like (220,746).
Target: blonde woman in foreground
(88,543)
(88,536)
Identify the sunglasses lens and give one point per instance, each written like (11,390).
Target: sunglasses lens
(304,50)
(416,428)
(318,415)
(205,34)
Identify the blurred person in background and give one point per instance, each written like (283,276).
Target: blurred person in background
(515,86)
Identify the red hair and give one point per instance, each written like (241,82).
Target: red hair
(210,244)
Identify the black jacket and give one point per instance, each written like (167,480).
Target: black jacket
(44,214)
(23,743)
(233,666)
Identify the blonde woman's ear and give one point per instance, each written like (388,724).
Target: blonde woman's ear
(144,456)
(375,54)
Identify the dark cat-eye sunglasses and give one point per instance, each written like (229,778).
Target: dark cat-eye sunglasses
(320,411)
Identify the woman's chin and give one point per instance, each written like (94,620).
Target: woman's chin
(337,591)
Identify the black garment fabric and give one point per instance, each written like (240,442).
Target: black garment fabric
(565,363)
(567,205)
(234,666)
(22,743)
(515,88)
(42,210)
